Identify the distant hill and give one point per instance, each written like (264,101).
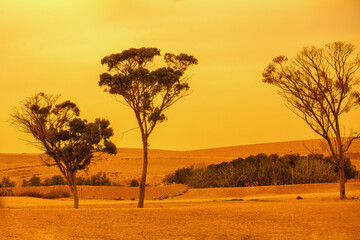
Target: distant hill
(127,164)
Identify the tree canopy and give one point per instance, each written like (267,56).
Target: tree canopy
(319,86)
(69,141)
(148,92)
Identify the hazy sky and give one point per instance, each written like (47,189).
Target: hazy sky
(56,46)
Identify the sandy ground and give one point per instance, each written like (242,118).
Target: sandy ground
(262,219)
(269,213)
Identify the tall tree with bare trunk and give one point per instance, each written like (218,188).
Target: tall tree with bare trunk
(68,141)
(148,92)
(319,87)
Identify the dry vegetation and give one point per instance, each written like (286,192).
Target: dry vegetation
(268,212)
(269,217)
(127,164)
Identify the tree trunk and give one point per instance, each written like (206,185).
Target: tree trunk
(144,173)
(76,197)
(73,188)
(342,182)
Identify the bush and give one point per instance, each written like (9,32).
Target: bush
(6,182)
(55,180)
(100,179)
(261,170)
(350,170)
(134,183)
(24,183)
(35,181)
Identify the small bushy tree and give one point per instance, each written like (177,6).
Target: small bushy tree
(69,141)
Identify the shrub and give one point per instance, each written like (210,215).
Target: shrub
(6,182)
(261,170)
(35,181)
(55,180)
(350,170)
(24,183)
(134,183)
(100,179)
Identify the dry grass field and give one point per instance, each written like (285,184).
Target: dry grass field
(268,212)
(203,214)
(127,164)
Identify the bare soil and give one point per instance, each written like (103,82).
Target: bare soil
(269,212)
(262,219)
(272,212)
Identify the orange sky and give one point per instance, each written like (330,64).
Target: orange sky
(56,46)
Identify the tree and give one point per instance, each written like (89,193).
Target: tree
(148,92)
(69,141)
(318,86)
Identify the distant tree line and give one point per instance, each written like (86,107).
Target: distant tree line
(262,170)
(99,179)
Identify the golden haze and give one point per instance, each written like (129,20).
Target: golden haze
(56,47)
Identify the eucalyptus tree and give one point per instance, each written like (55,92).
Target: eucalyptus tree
(148,92)
(319,87)
(68,141)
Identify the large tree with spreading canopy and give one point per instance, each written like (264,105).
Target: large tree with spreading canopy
(319,87)
(149,93)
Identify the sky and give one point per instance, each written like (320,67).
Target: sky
(56,47)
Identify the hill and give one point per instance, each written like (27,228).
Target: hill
(127,164)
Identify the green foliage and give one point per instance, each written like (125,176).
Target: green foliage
(260,170)
(134,183)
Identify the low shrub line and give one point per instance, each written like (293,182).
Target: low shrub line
(262,170)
